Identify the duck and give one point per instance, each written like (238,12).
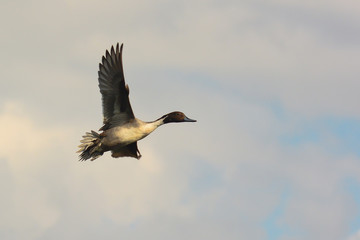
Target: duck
(121,130)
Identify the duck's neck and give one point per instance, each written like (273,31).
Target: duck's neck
(158,122)
(151,126)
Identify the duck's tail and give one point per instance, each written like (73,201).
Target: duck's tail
(90,146)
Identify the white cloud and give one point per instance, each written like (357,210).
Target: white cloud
(356,236)
(23,137)
(25,205)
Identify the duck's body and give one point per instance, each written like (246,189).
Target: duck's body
(121,129)
(128,133)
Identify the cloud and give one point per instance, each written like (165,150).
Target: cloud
(249,72)
(356,236)
(184,187)
(25,201)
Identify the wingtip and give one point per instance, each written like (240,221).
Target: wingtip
(107,54)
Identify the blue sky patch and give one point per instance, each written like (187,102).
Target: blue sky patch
(353,188)
(338,135)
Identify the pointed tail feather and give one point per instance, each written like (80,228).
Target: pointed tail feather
(90,146)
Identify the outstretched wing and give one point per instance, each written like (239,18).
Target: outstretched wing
(115,93)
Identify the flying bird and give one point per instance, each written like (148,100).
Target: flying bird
(121,129)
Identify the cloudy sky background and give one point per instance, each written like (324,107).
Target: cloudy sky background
(274,85)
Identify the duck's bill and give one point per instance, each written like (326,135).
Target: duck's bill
(186,119)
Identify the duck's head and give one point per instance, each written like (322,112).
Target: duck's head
(176,117)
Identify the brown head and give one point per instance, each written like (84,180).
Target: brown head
(176,117)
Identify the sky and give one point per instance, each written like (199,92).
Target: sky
(275,154)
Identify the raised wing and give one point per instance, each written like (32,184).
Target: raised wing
(115,93)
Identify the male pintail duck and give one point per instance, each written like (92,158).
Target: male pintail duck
(121,129)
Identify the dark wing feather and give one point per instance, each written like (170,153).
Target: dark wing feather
(115,93)
(130,150)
